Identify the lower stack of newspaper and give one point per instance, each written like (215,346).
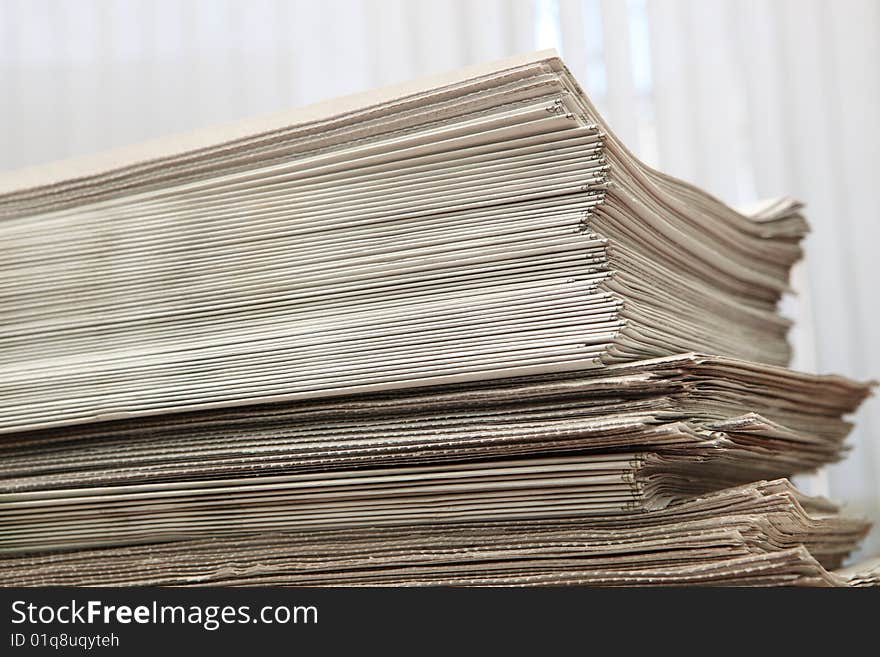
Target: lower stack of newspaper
(667,471)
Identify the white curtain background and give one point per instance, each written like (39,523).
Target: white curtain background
(746,98)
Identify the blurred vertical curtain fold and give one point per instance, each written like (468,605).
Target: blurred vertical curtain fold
(746,98)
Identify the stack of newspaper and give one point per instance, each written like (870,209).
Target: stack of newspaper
(449,333)
(758,534)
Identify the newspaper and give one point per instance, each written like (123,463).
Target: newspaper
(481,225)
(447,333)
(759,534)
